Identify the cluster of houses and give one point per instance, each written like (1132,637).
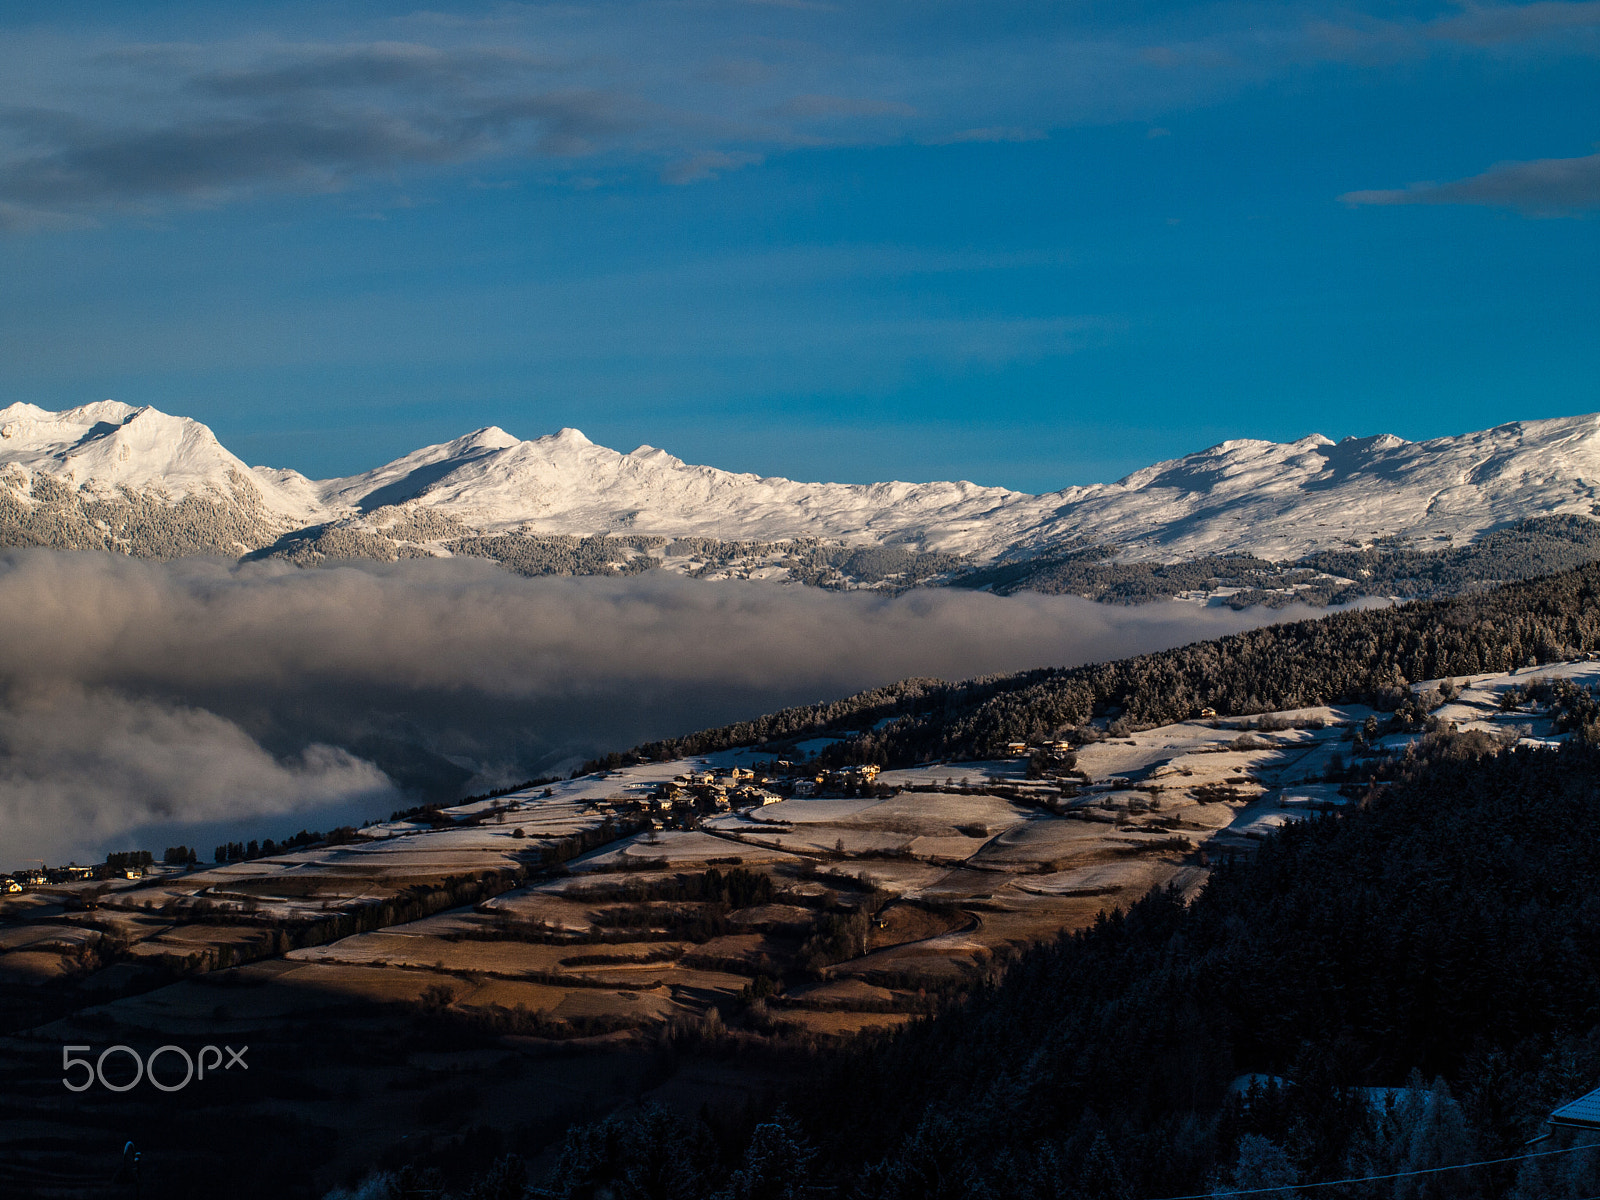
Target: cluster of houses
(1018,749)
(721,790)
(20,881)
(845,780)
(40,876)
(1045,753)
(686,797)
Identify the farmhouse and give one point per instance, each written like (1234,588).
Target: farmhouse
(749,796)
(849,777)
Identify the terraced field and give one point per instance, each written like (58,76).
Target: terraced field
(482,947)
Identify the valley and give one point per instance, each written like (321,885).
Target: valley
(643,920)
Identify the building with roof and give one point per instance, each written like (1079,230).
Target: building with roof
(1582,1113)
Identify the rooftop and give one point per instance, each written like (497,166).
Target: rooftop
(1584,1112)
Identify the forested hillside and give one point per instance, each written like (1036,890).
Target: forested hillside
(1537,546)
(147,524)
(1366,657)
(1446,935)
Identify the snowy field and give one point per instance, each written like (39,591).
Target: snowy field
(574,904)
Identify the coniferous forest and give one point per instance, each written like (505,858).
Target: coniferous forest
(1411,983)
(1367,656)
(1408,983)
(1442,939)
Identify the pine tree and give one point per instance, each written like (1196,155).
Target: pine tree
(777,1163)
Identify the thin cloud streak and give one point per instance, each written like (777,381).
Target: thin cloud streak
(1546,187)
(1503,24)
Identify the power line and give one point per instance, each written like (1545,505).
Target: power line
(1291,1187)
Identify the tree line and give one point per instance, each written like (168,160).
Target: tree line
(1389,567)
(1368,657)
(1442,940)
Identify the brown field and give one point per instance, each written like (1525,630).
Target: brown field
(441,977)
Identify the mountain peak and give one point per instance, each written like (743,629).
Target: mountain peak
(490,437)
(1375,441)
(111,411)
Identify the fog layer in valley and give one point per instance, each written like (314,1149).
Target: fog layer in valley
(136,694)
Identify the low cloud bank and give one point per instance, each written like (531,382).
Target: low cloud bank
(80,766)
(135,693)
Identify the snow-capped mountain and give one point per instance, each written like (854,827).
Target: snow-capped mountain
(109,448)
(1277,500)
(1283,500)
(564,484)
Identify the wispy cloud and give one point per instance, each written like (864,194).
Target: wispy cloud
(989,133)
(1570,26)
(735,72)
(18,218)
(1545,187)
(208,160)
(1502,24)
(90,127)
(361,67)
(708,164)
(304,118)
(812,106)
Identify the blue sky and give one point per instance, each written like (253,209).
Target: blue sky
(1028,244)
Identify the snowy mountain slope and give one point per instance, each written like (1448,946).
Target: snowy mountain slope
(1284,500)
(1277,500)
(109,447)
(564,483)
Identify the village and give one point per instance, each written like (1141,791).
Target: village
(33,877)
(751,897)
(688,796)
(1070,777)
(678,803)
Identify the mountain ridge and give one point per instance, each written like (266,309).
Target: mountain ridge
(1242,496)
